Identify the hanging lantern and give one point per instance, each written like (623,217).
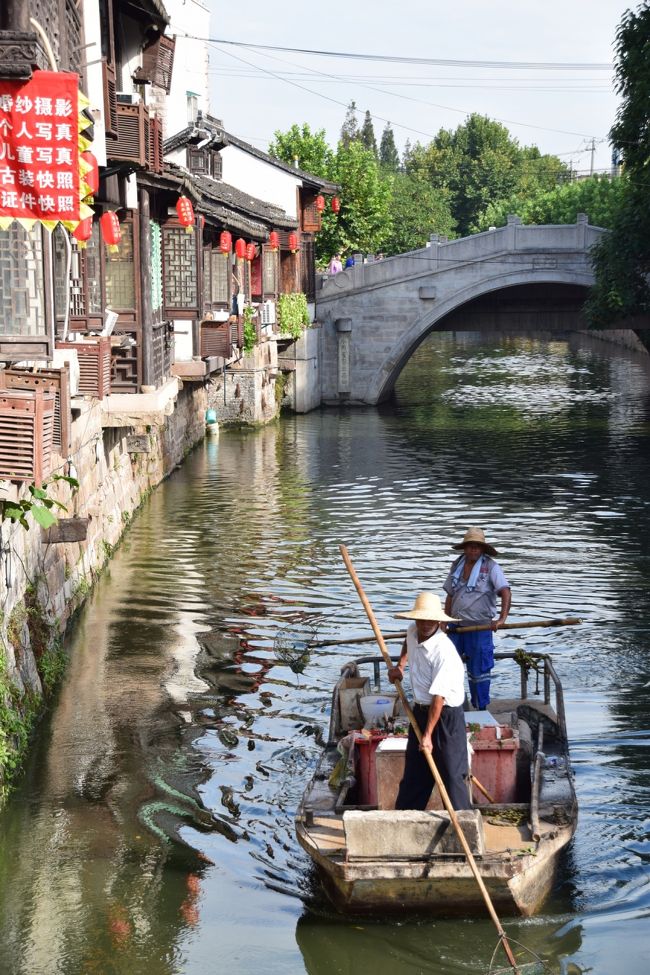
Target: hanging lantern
(83,232)
(320,203)
(336,204)
(274,240)
(185,212)
(240,249)
(293,243)
(225,242)
(111,230)
(251,251)
(91,178)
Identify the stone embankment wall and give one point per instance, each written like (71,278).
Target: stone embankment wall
(43,582)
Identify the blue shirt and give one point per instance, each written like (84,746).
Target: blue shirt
(480,604)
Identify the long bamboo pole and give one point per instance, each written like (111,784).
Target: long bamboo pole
(525,624)
(432,765)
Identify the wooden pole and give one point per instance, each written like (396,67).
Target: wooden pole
(525,624)
(432,765)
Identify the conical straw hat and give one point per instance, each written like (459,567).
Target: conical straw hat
(427,607)
(476,535)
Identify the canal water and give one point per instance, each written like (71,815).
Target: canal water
(152,832)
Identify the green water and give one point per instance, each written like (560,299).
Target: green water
(152,831)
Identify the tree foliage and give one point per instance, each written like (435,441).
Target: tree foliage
(350,127)
(599,197)
(417,211)
(311,149)
(388,154)
(479,163)
(367,134)
(622,259)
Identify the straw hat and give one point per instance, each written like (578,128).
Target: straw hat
(427,607)
(477,536)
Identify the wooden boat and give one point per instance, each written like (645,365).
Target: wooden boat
(372,858)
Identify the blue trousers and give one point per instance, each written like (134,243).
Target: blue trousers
(478,650)
(450,755)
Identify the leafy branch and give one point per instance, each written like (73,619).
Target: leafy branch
(39,504)
(250,332)
(293,314)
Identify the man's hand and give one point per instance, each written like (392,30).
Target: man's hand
(496,624)
(426,745)
(395,673)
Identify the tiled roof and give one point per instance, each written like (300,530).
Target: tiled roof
(315,181)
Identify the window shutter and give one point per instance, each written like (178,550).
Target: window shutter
(110,98)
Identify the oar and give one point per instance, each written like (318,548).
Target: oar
(432,765)
(525,624)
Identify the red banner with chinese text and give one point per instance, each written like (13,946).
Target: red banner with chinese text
(39,148)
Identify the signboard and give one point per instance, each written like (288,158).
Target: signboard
(40,142)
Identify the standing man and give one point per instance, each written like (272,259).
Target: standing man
(438,684)
(472,586)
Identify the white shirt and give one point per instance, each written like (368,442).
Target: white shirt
(435,667)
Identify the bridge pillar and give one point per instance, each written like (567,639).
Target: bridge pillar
(343,333)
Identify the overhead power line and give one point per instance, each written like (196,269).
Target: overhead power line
(396,59)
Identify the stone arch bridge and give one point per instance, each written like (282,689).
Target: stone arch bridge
(514,279)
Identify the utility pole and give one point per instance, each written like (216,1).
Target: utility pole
(593,151)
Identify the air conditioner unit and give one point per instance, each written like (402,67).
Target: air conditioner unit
(268,313)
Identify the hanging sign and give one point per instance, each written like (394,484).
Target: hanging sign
(40,142)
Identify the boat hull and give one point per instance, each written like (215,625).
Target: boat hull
(517,883)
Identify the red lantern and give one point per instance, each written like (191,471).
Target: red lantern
(251,251)
(336,204)
(91,178)
(111,230)
(185,212)
(320,203)
(225,242)
(240,249)
(274,240)
(293,243)
(83,232)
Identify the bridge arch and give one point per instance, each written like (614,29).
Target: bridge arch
(382,383)
(374,315)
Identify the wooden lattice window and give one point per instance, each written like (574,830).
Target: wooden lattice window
(217,165)
(308,269)
(180,273)
(22,290)
(311,217)
(198,161)
(220,268)
(270,271)
(119,269)
(207,279)
(86,308)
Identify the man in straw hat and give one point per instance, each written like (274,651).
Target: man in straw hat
(438,682)
(472,586)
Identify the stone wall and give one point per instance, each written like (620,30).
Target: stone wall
(300,362)
(43,582)
(245,392)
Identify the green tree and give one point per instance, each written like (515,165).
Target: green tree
(367,134)
(417,210)
(388,154)
(599,197)
(350,128)
(622,258)
(365,204)
(479,163)
(310,149)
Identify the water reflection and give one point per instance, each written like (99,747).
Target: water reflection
(153,831)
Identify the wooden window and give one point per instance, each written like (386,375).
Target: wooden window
(270,271)
(109,66)
(180,273)
(308,269)
(207,280)
(220,278)
(119,269)
(85,284)
(198,161)
(217,165)
(311,217)
(22,289)
(158,61)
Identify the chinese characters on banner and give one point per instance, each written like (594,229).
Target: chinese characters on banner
(39,148)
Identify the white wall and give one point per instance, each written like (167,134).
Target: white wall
(190,62)
(260,179)
(94,84)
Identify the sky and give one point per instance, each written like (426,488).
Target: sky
(561,110)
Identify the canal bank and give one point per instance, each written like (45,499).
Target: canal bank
(122,447)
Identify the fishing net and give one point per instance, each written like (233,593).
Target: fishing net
(536,967)
(292,644)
